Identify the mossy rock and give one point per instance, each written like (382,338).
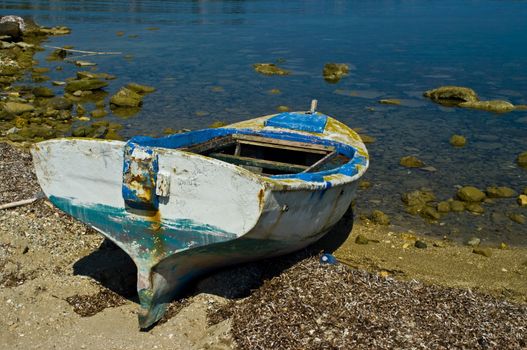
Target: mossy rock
(380,218)
(486,252)
(283,109)
(411,162)
(98,113)
(141,89)
(84,85)
(474,208)
(40,70)
(470,194)
(275,92)
(500,192)
(126,98)
(217,124)
(522,160)
(457,206)
(390,101)
(522,200)
(59,103)
(443,207)
(430,213)
(458,140)
(333,72)
(93,75)
(496,106)
(518,218)
(45,92)
(269,69)
(417,197)
(452,95)
(18,108)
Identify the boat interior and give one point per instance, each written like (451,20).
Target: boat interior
(270,156)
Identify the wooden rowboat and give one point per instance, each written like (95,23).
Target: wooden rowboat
(187,203)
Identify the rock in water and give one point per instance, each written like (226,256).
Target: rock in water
(411,162)
(18,108)
(500,192)
(497,106)
(470,194)
(333,72)
(522,200)
(390,101)
(522,160)
(141,89)
(458,141)
(380,218)
(126,98)
(452,95)
(84,85)
(269,69)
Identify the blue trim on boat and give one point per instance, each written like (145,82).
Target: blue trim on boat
(199,136)
(315,122)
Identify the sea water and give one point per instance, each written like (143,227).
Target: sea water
(199,56)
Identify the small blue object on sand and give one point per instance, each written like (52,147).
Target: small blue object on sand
(328,259)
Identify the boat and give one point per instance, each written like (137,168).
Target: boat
(188,203)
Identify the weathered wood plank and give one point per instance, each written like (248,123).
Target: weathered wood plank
(211,145)
(285,144)
(321,162)
(266,164)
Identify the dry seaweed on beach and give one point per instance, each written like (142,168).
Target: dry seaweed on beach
(314,306)
(89,305)
(18,179)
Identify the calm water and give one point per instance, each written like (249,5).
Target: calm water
(201,55)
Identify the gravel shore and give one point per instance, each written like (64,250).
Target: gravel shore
(63,287)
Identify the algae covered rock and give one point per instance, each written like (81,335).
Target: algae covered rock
(417,197)
(522,160)
(380,218)
(500,192)
(18,108)
(518,218)
(98,113)
(522,200)
(411,162)
(41,91)
(141,89)
(390,101)
(443,207)
(333,72)
(497,106)
(458,141)
(84,85)
(126,98)
(474,208)
(452,95)
(457,206)
(269,69)
(486,252)
(60,103)
(470,194)
(283,109)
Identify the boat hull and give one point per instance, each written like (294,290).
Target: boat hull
(209,213)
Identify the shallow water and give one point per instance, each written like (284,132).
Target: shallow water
(200,56)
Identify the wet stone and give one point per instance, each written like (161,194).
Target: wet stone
(417,197)
(361,239)
(333,72)
(269,69)
(457,206)
(451,95)
(458,141)
(470,194)
(217,124)
(473,242)
(430,213)
(390,101)
(126,98)
(522,159)
(283,109)
(496,106)
(518,218)
(500,192)
(84,85)
(411,162)
(486,252)
(141,89)
(41,91)
(363,184)
(98,113)
(420,244)
(18,108)
(475,208)
(380,218)
(522,200)
(443,207)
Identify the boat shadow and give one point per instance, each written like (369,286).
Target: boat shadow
(114,269)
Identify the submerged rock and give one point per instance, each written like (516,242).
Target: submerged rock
(60,103)
(84,85)
(98,113)
(41,91)
(458,140)
(411,162)
(500,192)
(141,89)
(522,160)
(474,208)
(126,98)
(283,109)
(497,106)
(269,69)
(418,197)
(443,207)
(518,218)
(333,72)
(470,194)
(93,75)
(452,95)
(390,101)
(217,124)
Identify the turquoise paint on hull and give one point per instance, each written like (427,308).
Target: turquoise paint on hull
(150,239)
